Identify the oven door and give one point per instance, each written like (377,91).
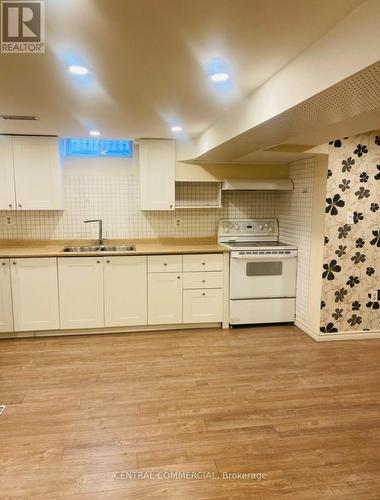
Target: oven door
(262,276)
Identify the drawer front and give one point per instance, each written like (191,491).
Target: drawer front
(165,263)
(213,279)
(202,306)
(203,262)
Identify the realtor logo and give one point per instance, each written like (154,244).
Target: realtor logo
(23,27)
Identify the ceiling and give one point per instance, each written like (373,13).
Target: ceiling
(149,61)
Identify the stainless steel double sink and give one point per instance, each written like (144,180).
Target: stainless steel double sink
(102,248)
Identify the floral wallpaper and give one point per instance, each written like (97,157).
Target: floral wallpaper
(351,269)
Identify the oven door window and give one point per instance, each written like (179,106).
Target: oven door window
(264,269)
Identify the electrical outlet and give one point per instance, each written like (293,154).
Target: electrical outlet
(178,222)
(350,218)
(373,294)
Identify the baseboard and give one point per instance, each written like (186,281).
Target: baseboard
(328,337)
(100,331)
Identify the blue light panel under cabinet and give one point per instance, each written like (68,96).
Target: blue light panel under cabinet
(74,146)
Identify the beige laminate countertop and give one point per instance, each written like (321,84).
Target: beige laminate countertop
(53,248)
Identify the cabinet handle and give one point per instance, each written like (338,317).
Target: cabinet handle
(178,277)
(10,205)
(108,261)
(165,263)
(98,261)
(203,293)
(3,263)
(19,205)
(203,263)
(14,263)
(171,206)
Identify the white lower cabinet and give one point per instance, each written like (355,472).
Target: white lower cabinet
(202,306)
(6,317)
(164,298)
(125,291)
(35,294)
(81,292)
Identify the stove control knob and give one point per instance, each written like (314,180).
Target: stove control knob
(236,226)
(260,226)
(266,226)
(226,230)
(270,228)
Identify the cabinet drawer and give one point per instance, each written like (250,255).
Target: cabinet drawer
(165,263)
(203,262)
(202,306)
(212,279)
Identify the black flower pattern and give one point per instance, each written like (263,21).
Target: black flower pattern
(373,304)
(326,240)
(354,320)
(329,328)
(337,314)
(361,149)
(341,250)
(345,185)
(337,143)
(370,271)
(358,257)
(352,281)
(347,164)
(333,203)
(357,216)
(329,270)
(362,192)
(376,239)
(343,231)
(329,173)
(359,243)
(340,294)
(377,176)
(356,254)
(364,177)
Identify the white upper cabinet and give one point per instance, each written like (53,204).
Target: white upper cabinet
(7,184)
(125,291)
(157,174)
(35,294)
(32,173)
(6,319)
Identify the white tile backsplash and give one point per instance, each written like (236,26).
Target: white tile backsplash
(294,211)
(115,199)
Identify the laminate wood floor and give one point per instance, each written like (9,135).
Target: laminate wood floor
(82,411)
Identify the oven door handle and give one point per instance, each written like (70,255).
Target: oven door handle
(258,257)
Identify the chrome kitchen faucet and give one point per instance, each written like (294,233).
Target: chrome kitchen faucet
(100,222)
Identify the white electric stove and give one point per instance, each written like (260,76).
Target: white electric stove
(263,271)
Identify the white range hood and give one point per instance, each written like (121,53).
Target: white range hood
(258,185)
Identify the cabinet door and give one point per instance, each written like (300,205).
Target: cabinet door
(6,317)
(81,292)
(38,178)
(35,294)
(125,291)
(157,174)
(164,298)
(202,306)
(7,183)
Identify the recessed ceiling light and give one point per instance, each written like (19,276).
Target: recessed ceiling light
(219,77)
(176,128)
(78,70)
(94,133)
